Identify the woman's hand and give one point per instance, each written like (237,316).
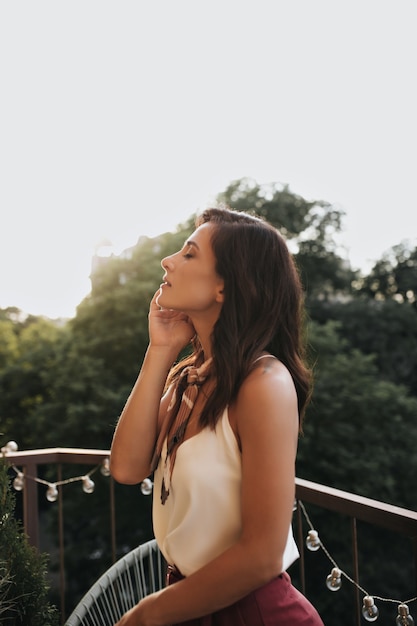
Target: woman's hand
(167,327)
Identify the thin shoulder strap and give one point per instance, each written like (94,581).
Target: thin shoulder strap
(264,356)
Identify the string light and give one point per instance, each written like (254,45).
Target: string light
(146,487)
(312,541)
(370,611)
(334,579)
(88,484)
(52,493)
(105,467)
(19,481)
(11,446)
(404,618)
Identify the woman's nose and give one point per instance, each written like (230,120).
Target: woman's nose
(167,262)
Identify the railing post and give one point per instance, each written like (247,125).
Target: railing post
(61,542)
(112,519)
(356,570)
(301,548)
(30,505)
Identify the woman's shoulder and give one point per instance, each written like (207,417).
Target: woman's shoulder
(269,387)
(267,390)
(267,373)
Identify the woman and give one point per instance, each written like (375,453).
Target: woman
(220,428)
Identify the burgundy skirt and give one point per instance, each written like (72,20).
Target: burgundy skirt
(278,603)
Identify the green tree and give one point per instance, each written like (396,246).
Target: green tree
(353,417)
(386,329)
(26,351)
(82,403)
(51,394)
(8,342)
(112,322)
(312,229)
(394,276)
(287,211)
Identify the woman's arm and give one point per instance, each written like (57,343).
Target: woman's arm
(136,432)
(137,429)
(267,423)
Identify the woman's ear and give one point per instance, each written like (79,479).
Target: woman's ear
(220,292)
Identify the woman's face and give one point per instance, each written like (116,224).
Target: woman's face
(191,283)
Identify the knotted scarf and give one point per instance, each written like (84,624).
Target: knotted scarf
(174,426)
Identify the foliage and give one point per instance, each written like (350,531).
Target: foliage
(394,276)
(310,227)
(385,329)
(111,323)
(289,212)
(8,342)
(26,353)
(353,416)
(23,587)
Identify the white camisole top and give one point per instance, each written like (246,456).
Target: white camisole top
(202,516)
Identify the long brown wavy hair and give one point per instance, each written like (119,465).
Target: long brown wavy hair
(263,308)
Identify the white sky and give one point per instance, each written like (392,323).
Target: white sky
(122,118)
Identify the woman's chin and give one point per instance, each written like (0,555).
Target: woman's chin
(164,302)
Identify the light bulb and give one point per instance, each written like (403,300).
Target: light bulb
(52,493)
(105,467)
(404,618)
(369,609)
(312,540)
(11,446)
(88,484)
(146,487)
(334,580)
(19,482)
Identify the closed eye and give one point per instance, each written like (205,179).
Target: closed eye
(188,252)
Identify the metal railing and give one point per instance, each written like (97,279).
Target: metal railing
(356,508)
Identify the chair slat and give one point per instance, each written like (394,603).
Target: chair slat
(140,572)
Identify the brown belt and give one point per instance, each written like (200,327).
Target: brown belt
(173,575)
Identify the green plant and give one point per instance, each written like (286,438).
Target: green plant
(23,584)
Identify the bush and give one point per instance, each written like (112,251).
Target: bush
(23,585)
